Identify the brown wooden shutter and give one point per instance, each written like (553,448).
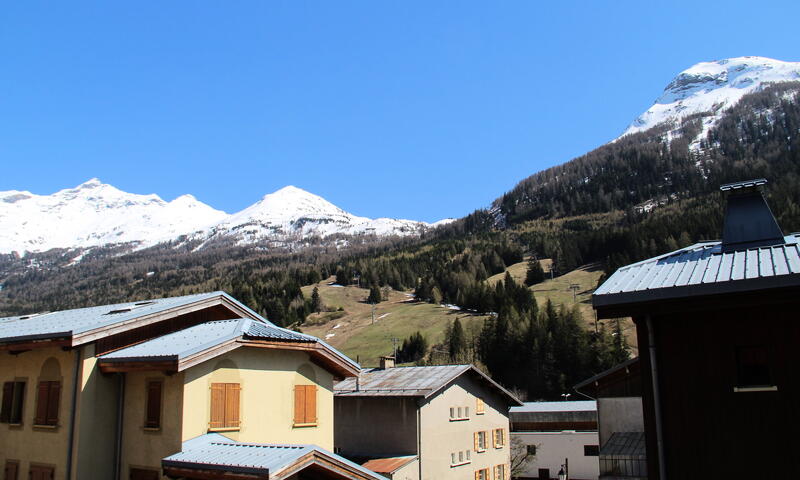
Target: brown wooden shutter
(477,475)
(42,395)
(475,441)
(299,404)
(8,401)
(153,409)
(217,405)
(12,470)
(232,404)
(311,404)
(494,438)
(53,403)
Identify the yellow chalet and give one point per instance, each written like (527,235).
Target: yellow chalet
(193,387)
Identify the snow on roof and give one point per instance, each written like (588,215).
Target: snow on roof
(575,406)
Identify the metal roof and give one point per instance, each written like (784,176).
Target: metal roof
(388,464)
(409,382)
(67,323)
(575,406)
(625,445)
(703,269)
(217,452)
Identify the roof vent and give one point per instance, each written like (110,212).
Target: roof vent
(749,222)
(387,362)
(121,310)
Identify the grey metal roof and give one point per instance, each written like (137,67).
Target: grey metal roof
(703,269)
(410,382)
(625,445)
(575,406)
(216,452)
(66,323)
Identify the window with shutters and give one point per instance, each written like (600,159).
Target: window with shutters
(480,407)
(500,472)
(40,472)
(152,419)
(498,437)
(482,474)
(11,470)
(305,405)
(480,441)
(48,396)
(13,400)
(225,406)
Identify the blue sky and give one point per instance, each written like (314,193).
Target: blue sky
(413,109)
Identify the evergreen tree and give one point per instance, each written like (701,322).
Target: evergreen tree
(535,272)
(457,343)
(316,301)
(374,295)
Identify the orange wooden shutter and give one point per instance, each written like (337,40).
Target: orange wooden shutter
(475,441)
(232,404)
(217,405)
(299,404)
(311,404)
(42,395)
(477,475)
(53,402)
(11,470)
(494,438)
(153,417)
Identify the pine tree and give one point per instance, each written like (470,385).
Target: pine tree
(457,343)
(374,294)
(316,301)
(535,272)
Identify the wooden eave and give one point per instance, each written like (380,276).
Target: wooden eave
(208,474)
(19,347)
(170,366)
(316,460)
(117,328)
(319,354)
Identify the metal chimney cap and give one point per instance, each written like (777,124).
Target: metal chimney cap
(745,184)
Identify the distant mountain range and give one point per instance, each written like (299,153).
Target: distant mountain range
(95,214)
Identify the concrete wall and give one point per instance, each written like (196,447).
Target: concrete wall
(441,436)
(96,419)
(142,447)
(553,447)
(375,426)
(26,443)
(619,414)
(267,378)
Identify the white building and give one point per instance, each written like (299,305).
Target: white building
(559,435)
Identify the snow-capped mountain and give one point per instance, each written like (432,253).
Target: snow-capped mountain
(713,87)
(95,214)
(294,213)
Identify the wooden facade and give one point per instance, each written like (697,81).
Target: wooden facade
(716,423)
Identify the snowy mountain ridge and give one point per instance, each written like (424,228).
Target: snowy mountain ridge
(713,87)
(95,214)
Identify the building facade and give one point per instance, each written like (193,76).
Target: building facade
(555,435)
(452,418)
(109,392)
(718,335)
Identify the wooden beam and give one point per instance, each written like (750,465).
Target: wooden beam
(201,474)
(147,366)
(20,347)
(329,360)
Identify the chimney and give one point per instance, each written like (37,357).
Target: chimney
(748,220)
(387,361)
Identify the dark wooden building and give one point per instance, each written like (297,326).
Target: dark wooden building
(718,326)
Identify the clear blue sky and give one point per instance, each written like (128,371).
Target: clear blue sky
(411,109)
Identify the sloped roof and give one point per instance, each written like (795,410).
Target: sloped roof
(423,381)
(625,445)
(388,464)
(217,452)
(70,323)
(703,269)
(574,406)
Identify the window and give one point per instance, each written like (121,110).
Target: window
(498,437)
(752,364)
(39,472)
(531,449)
(153,407)
(224,405)
(305,405)
(452,413)
(459,458)
(500,472)
(459,413)
(11,470)
(47,403)
(13,399)
(466,412)
(480,441)
(480,407)
(482,474)
(591,450)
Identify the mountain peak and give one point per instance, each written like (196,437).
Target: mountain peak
(712,87)
(93,182)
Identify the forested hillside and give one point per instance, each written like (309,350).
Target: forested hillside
(643,195)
